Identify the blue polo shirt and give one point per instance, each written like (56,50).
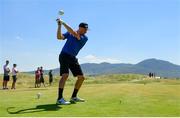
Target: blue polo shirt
(73,45)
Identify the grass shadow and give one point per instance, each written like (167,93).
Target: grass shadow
(39,108)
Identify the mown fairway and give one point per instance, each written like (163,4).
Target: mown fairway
(112,95)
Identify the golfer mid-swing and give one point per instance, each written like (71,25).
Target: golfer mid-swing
(67,59)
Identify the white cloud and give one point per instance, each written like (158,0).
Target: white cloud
(94,59)
(19,38)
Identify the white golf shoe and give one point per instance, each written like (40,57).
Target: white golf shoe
(76,99)
(62,101)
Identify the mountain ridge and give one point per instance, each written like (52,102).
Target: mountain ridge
(159,67)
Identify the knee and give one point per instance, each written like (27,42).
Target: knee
(65,76)
(81,77)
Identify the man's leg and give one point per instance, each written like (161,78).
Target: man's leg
(78,84)
(3,84)
(64,73)
(62,82)
(35,84)
(79,81)
(38,83)
(12,85)
(43,82)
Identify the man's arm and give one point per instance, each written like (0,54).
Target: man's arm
(69,29)
(16,70)
(7,69)
(59,34)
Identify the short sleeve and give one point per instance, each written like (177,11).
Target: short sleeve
(66,35)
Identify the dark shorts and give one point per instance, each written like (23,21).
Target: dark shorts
(69,62)
(14,78)
(6,78)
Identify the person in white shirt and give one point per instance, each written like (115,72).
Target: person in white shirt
(14,76)
(6,74)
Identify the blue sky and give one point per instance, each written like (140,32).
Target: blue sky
(121,31)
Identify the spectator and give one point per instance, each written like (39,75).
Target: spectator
(41,76)
(6,75)
(14,76)
(37,78)
(50,77)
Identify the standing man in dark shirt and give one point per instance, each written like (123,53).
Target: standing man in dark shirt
(50,77)
(41,76)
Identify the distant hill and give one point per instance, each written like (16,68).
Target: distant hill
(159,67)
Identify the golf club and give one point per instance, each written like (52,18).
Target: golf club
(60,13)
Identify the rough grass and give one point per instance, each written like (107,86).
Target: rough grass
(106,95)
